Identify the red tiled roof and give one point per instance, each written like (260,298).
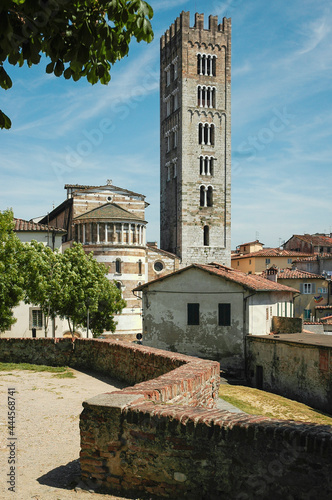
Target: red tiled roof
(326,318)
(251,243)
(109,211)
(25,225)
(248,281)
(314,257)
(271,252)
(153,248)
(294,274)
(314,239)
(323,307)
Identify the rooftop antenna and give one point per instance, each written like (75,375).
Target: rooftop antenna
(257,236)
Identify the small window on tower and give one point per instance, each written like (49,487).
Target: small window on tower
(206,236)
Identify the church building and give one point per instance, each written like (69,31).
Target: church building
(110,222)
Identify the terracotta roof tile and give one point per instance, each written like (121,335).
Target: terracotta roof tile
(314,239)
(109,211)
(271,252)
(294,274)
(248,281)
(25,225)
(314,257)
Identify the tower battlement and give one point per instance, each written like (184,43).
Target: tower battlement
(182,24)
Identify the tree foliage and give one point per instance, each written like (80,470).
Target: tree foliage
(65,285)
(84,287)
(82,38)
(11,291)
(40,267)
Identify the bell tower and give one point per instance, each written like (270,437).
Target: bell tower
(195,140)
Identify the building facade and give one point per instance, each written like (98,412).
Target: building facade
(207,310)
(195,140)
(310,243)
(30,320)
(313,289)
(257,262)
(110,222)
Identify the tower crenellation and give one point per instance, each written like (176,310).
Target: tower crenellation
(195,77)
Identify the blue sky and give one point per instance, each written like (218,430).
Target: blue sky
(66,132)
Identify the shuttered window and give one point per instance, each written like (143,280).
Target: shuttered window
(193,314)
(224,314)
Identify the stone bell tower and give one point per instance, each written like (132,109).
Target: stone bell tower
(195,140)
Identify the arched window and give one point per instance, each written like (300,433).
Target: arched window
(206,64)
(205,96)
(206,134)
(202,196)
(201,165)
(206,236)
(140,267)
(209,196)
(212,135)
(118,266)
(200,134)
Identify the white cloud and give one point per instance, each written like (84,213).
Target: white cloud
(318,31)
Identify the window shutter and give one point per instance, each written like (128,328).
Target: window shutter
(224,313)
(313,287)
(301,287)
(193,314)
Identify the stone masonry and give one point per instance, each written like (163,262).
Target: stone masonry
(163,437)
(195,140)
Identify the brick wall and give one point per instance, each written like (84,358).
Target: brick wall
(163,437)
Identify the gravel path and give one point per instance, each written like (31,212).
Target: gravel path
(47,435)
(47,447)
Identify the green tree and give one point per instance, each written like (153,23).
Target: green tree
(85,287)
(82,38)
(40,266)
(109,304)
(11,281)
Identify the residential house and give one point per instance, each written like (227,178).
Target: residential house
(30,319)
(252,246)
(207,310)
(318,264)
(312,288)
(309,243)
(258,261)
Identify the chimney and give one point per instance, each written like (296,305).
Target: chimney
(272,274)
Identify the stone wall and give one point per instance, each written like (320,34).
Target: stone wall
(286,325)
(297,368)
(163,437)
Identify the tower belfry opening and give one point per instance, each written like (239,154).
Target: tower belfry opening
(195,169)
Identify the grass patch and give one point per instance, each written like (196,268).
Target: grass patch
(67,374)
(59,371)
(256,402)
